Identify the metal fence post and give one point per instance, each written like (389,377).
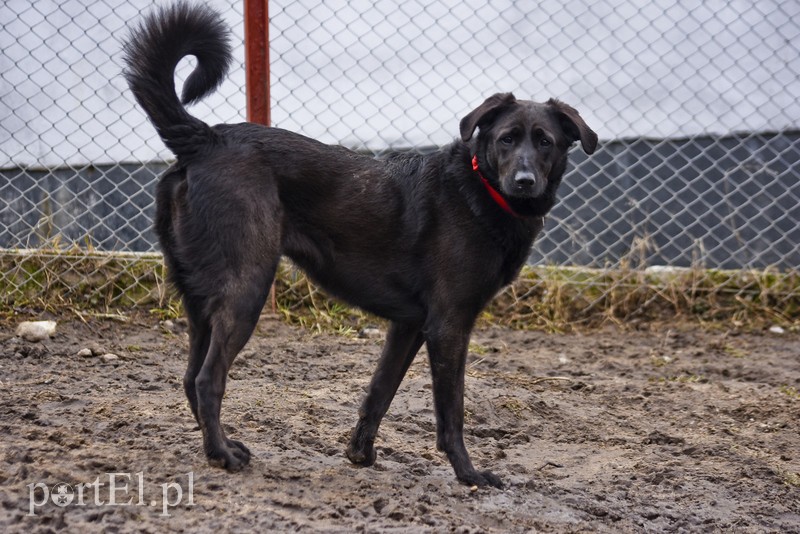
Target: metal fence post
(256,36)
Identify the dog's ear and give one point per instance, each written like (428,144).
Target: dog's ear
(484,113)
(574,125)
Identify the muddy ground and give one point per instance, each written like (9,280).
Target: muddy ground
(664,428)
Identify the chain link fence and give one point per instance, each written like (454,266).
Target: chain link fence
(695,104)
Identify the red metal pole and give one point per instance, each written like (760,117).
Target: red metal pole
(256,58)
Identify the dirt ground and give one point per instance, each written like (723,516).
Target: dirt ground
(660,429)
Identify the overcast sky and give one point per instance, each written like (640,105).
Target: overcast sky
(375,75)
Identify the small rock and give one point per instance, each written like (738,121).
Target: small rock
(370,332)
(36,330)
(109,357)
(177,326)
(776,329)
(85,353)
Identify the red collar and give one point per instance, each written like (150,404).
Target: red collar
(496,196)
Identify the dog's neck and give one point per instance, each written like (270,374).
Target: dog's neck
(496,196)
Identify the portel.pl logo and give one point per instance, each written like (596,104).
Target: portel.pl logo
(115,489)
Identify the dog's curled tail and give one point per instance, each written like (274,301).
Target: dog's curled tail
(151,54)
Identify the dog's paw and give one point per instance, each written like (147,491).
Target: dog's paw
(481,479)
(232,455)
(365,456)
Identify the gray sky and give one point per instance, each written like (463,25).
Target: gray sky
(375,75)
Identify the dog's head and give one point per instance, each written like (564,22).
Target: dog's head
(522,145)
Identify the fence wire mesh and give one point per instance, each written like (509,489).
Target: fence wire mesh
(695,104)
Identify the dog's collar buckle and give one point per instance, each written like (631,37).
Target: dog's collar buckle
(496,196)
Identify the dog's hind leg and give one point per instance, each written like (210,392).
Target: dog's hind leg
(447,351)
(402,344)
(233,319)
(199,340)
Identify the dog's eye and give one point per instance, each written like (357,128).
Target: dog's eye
(507,140)
(544,142)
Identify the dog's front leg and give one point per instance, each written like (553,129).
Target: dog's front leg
(447,350)
(402,343)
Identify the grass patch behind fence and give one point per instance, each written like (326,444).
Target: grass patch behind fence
(85,279)
(559,298)
(553,298)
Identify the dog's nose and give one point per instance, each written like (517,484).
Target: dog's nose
(525,179)
(528,185)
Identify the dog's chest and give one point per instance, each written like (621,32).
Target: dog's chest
(517,248)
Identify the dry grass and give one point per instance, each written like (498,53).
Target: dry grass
(553,298)
(563,297)
(85,279)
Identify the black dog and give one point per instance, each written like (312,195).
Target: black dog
(422,240)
